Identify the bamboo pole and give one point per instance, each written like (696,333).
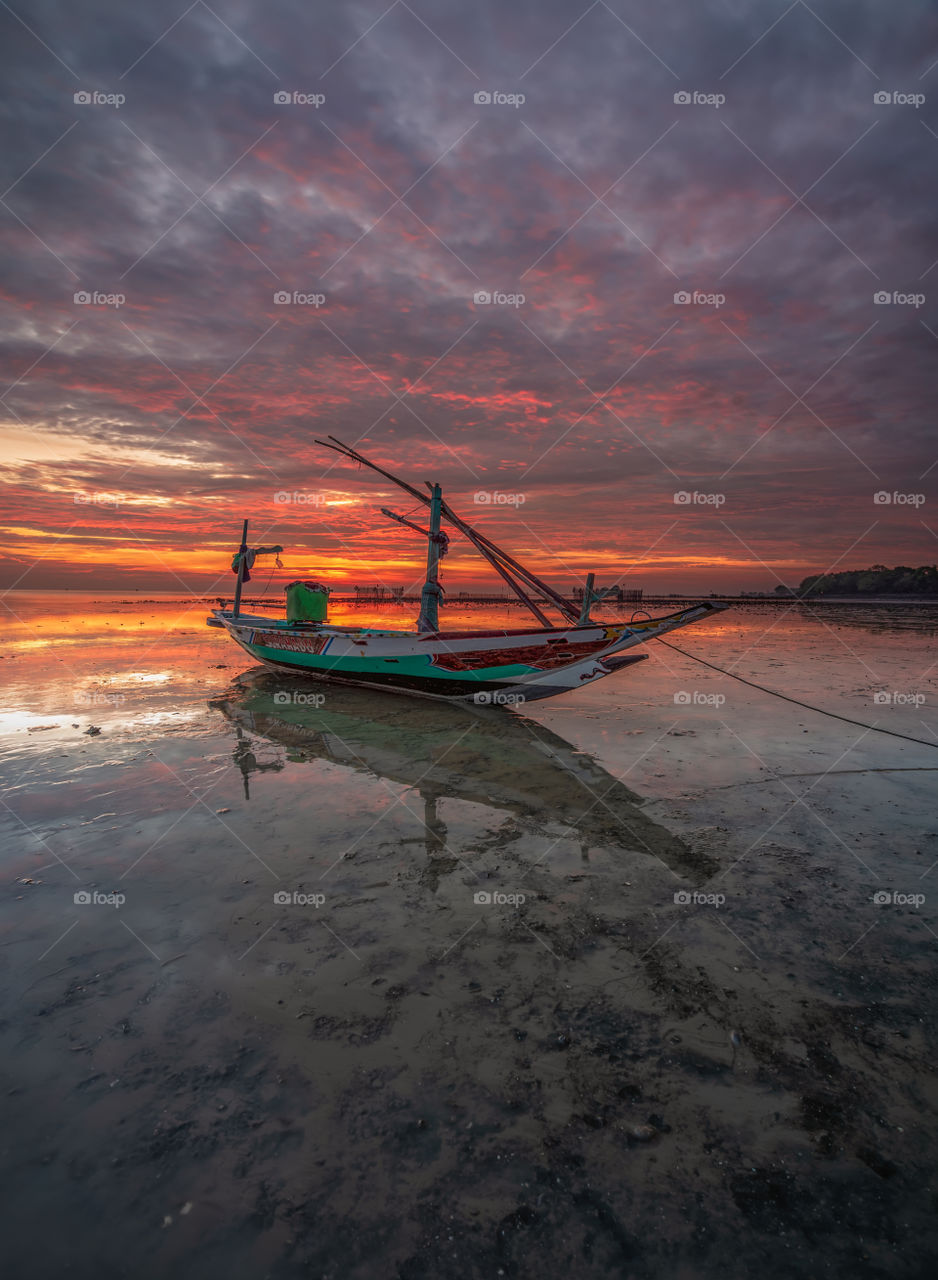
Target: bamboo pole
(562,605)
(515,586)
(392,515)
(486,554)
(474,536)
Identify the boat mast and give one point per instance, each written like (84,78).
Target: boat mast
(429,619)
(242,560)
(506,565)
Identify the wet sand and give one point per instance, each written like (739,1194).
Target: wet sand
(698,1047)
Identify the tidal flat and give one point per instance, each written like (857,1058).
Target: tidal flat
(298,980)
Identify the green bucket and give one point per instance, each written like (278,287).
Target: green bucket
(307,602)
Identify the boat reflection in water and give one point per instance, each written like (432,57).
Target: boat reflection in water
(486,755)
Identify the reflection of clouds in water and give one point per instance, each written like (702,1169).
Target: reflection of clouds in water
(16,721)
(920,618)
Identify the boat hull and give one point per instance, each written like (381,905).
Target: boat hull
(481,692)
(491,666)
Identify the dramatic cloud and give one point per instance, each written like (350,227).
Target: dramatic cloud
(286,218)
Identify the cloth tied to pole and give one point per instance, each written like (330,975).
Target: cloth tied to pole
(250,555)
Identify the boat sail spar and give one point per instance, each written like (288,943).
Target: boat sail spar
(501,666)
(506,565)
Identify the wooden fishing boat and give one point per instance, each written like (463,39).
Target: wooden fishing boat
(491,665)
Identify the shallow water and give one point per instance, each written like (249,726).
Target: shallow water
(697,1045)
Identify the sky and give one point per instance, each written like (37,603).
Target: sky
(650,290)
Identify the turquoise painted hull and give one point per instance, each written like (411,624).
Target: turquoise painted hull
(481,666)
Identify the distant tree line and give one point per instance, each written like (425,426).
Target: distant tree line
(877,581)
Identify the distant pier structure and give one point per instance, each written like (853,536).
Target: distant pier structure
(476,597)
(380,593)
(377,593)
(617,594)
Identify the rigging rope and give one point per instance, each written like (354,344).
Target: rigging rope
(923,742)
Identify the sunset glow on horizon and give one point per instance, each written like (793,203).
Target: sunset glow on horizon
(685,345)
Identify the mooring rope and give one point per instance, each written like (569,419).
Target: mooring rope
(922,742)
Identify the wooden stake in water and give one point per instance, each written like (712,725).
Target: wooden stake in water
(241,562)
